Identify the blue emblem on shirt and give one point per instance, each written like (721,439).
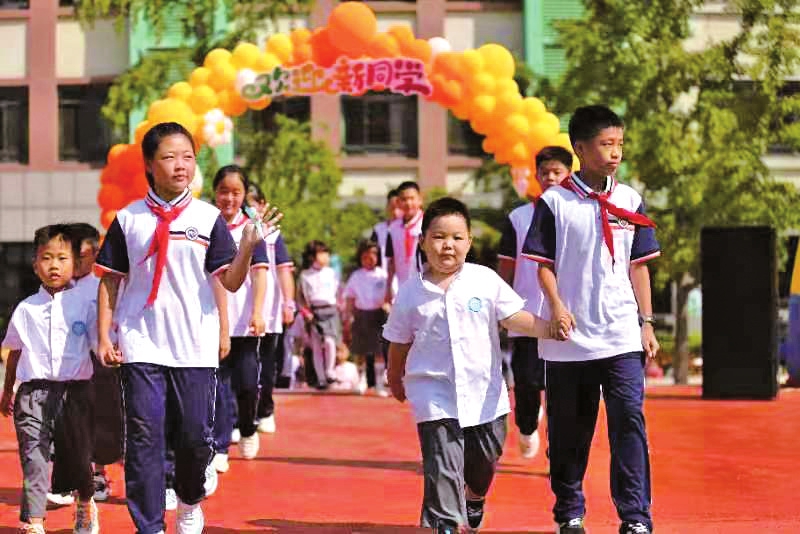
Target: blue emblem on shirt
(474,304)
(191,233)
(79,328)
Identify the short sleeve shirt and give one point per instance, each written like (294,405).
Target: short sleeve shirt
(367,287)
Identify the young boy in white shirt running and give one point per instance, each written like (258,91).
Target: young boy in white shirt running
(50,336)
(445,358)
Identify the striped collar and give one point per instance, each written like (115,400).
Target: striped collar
(153,200)
(238,220)
(414,220)
(577,186)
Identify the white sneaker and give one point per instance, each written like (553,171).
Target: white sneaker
(235,436)
(220,463)
(102,487)
(212,480)
(529,445)
(86,520)
(189,519)
(61,499)
(31,528)
(170,500)
(266,425)
(248,447)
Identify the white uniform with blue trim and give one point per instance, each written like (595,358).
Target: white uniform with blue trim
(240,303)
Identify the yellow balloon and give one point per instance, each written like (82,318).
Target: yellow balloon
(499,61)
(505,85)
(520,155)
(216,56)
(472,61)
(180,90)
(245,56)
(281,45)
(507,104)
(266,62)
(223,76)
(563,141)
(517,126)
(199,76)
(482,107)
(532,106)
(203,99)
(482,83)
(173,110)
(141,129)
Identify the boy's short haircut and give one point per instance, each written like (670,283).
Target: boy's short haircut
(554,153)
(394,193)
(45,234)
(587,121)
(443,207)
(407,185)
(83,232)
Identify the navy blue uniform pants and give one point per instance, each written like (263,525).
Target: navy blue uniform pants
(158,398)
(271,351)
(237,392)
(528,370)
(573,398)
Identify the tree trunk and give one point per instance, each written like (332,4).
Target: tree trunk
(680,363)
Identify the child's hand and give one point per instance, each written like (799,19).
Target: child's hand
(561,324)
(307,314)
(269,225)
(649,341)
(257,324)
(109,354)
(7,403)
(397,387)
(224,344)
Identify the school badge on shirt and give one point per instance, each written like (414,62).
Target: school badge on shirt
(79,328)
(474,304)
(191,233)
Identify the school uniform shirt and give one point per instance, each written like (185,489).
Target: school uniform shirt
(454,365)
(526,276)
(240,303)
(567,233)
(367,287)
(401,245)
(320,287)
(380,234)
(181,328)
(279,258)
(55,334)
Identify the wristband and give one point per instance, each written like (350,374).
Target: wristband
(291,305)
(648,319)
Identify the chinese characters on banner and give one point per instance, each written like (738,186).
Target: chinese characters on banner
(354,77)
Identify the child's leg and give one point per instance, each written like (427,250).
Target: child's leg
(330,356)
(623,393)
(528,384)
(442,444)
(73,436)
(223,404)
(268,353)
(32,424)
(145,391)
(190,400)
(483,446)
(370,369)
(573,398)
(245,382)
(319,357)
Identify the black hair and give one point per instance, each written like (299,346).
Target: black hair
(231,169)
(587,121)
(45,234)
(554,153)
(153,138)
(392,194)
(310,253)
(407,185)
(445,206)
(85,232)
(256,192)
(365,245)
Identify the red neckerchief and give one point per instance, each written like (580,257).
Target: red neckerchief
(606,207)
(165,213)
(238,220)
(408,236)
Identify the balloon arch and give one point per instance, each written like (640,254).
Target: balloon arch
(348,56)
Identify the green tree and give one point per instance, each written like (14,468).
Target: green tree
(301,176)
(696,132)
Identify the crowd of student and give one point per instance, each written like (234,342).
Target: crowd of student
(192,319)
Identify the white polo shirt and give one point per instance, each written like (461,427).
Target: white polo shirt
(181,328)
(380,234)
(55,334)
(526,276)
(367,287)
(320,287)
(240,303)
(279,258)
(454,366)
(89,283)
(567,232)
(405,258)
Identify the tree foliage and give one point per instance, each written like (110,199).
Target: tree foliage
(698,122)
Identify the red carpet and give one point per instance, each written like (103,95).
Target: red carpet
(342,464)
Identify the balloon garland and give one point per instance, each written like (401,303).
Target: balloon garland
(347,56)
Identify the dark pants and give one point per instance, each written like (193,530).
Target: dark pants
(164,404)
(57,415)
(573,398)
(528,372)
(108,418)
(237,392)
(271,352)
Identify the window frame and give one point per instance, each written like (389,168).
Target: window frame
(403,138)
(19,125)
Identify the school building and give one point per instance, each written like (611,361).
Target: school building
(55,76)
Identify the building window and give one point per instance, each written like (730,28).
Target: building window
(296,107)
(462,139)
(380,123)
(84,135)
(789,90)
(14,4)
(17,279)
(14,124)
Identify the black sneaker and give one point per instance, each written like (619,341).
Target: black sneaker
(475,513)
(446,527)
(634,528)
(573,526)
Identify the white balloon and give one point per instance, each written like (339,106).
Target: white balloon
(439,45)
(244,77)
(214,115)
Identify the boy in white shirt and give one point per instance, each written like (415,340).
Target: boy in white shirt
(445,358)
(51,335)
(401,244)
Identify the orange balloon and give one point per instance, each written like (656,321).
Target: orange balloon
(141,129)
(351,26)
(450,65)
(115,151)
(482,83)
(203,99)
(300,36)
(258,105)
(473,62)
(401,33)
(112,197)
(483,107)
(302,54)
(499,61)
(481,125)
(323,52)
(418,49)
(490,145)
(107,217)
(383,45)
(199,76)
(223,75)
(520,155)
(231,103)
(534,189)
(461,110)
